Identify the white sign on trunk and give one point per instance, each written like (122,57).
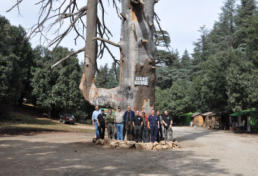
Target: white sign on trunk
(141,81)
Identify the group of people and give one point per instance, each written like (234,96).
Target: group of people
(132,125)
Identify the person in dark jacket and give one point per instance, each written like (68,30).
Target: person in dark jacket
(167,127)
(128,124)
(154,125)
(101,124)
(137,125)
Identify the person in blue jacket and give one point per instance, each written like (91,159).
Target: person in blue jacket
(128,123)
(94,118)
(154,125)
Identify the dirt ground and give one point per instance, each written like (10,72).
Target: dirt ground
(203,152)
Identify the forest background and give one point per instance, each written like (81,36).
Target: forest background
(221,75)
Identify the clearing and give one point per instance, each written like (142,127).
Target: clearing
(203,152)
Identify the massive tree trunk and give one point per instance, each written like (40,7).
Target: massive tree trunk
(136,61)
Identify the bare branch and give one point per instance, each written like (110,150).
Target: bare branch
(53,16)
(57,40)
(117,9)
(123,16)
(157,19)
(68,56)
(106,31)
(111,54)
(15,5)
(107,41)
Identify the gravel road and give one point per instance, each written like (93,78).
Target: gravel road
(203,152)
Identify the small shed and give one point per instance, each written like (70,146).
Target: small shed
(211,120)
(197,119)
(245,121)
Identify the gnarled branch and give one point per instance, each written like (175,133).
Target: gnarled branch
(68,56)
(107,41)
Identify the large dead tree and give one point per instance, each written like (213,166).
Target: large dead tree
(136,60)
(137,63)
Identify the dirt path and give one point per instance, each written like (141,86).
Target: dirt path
(203,152)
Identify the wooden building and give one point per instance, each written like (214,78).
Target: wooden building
(211,120)
(197,119)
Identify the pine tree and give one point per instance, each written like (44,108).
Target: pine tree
(246,10)
(201,47)
(56,90)
(16,62)
(185,60)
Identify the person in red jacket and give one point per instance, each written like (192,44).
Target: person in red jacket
(145,129)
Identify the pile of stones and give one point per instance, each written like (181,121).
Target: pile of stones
(163,145)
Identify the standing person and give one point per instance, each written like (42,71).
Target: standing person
(128,123)
(154,125)
(160,132)
(145,128)
(167,126)
(94,120)
(101,124)
(110,121)
(137,124)
(119,124)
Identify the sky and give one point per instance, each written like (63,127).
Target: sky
(181,18)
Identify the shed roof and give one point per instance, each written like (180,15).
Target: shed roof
(208,114)
(244,112)
(195,114)
(189,114)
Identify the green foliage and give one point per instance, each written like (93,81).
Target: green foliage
(26,73)
(245,12)
(57,90)
(162,39)
(107,77)
(242,81)
(175,99)
(186,60)
(254,123)
(15,63)
(222,75)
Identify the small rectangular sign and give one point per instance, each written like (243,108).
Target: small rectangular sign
(141,81)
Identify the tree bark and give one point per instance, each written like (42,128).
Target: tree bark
(90,54)
(136,59)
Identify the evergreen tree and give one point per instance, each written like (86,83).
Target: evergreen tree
(107,77)
(245,12)
(185,60)
(56,90)
(223,73)
(16,62)
(242,81)
(201,47)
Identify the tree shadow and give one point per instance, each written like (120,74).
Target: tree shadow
(27,131)
(20,157)
(191,136)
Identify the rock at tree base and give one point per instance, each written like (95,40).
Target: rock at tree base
(144,146)
(123,146)
(158,147)
(94,140)
(163,145)
(107,141)
(162,142)
(139,146)
(99,142)
(114,144)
